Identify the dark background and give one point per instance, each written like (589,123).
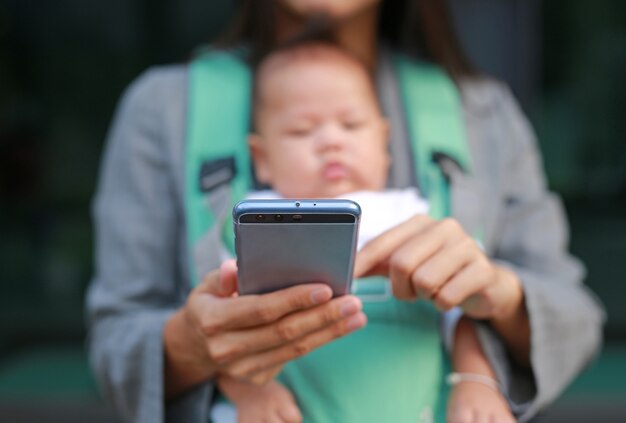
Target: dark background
(64,64)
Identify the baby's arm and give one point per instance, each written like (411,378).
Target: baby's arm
(256,403)
(475,395)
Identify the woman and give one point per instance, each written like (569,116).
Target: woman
(156,346)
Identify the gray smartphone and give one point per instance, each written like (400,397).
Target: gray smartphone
(281,243)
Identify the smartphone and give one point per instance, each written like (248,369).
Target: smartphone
(281,243)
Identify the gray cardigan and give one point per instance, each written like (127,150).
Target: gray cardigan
(142,256)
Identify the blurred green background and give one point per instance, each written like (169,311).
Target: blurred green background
(64,64)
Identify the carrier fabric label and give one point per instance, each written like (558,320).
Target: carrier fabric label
(214,173)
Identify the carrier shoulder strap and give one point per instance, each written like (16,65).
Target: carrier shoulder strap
(218,113)
(434,119)
(218,122)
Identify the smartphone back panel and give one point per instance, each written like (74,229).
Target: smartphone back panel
(281,243)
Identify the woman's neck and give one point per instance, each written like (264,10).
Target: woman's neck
(357,34)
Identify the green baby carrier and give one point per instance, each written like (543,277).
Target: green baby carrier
(218,166)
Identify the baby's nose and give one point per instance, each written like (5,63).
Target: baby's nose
(331,137)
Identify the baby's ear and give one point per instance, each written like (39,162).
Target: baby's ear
(385,128)
(259,157)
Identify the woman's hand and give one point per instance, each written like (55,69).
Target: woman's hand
(438,261)
(250,337)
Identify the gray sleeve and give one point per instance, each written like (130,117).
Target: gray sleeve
(137,281)
(532,239)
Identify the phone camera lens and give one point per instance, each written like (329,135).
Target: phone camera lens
(278,217)
(260,217)
(297,204)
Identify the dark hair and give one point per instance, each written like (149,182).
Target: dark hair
(415,27)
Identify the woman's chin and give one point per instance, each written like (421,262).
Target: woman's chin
(331,9)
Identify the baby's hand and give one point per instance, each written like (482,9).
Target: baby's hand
(473,402)
(271,402)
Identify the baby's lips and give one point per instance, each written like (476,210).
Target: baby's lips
(335,171)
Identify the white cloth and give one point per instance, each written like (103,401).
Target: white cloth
(380,210)
(383,210)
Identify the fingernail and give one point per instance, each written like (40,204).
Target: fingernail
(356,322)
(321,295)
(348,308)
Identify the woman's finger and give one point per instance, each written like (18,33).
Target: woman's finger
(226,346)
(266,375)
(468,282)
(228,278)
(222,282)
(448,260)
(289,413)
(378,250)
(210,284)
(408,276)
(406,262)
(256,310)
(250,365)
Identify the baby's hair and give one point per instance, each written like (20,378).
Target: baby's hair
(317,38)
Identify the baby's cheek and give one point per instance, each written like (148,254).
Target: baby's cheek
(376,174)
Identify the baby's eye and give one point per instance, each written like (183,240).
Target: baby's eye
(353,124)
(300,128)
(300,131)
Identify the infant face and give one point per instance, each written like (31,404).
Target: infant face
(320,132)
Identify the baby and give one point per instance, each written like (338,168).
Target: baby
(320,133)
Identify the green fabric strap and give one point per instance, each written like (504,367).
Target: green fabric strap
(217,127)
(435,125)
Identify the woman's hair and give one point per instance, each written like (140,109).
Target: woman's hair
(415,27)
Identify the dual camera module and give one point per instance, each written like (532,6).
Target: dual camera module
(279,217)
